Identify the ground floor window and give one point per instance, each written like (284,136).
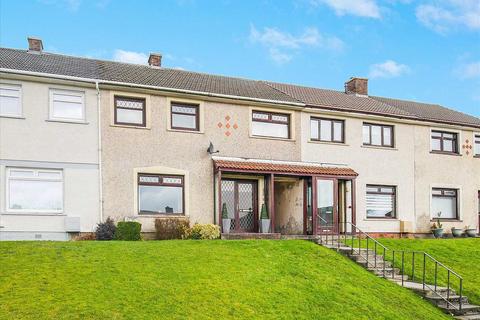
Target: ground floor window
(444,203)
(381,201)
(34,190)
(160,194)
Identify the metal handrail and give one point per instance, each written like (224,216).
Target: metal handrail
(355,230)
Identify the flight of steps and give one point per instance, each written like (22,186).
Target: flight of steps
(386,270)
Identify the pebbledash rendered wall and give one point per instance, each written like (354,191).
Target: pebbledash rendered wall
(33,141)
(158,149)
(409,166)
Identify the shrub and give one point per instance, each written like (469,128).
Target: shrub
(105,230)
(128,230)
(85,236)
(170,228)
(264,212)
(202,232)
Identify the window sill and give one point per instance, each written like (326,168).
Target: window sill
(130,127)
(379,147)
(161,215)
(446,220)
(186,131)
(446,153)
(343,144)
(67,121)
(33,213)
(477,156)
(381,219)
(272,138)
(11,117)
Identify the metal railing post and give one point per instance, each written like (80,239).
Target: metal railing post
(448,284)
(424,265)
(393,268)
(384,262)
(436,272)
(375,254)
(461,295)
(403,266)
(367,252)
(413,266)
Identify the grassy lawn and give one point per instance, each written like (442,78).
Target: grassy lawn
(461,255)
(195,280)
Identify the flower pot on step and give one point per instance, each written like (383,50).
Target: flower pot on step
(472,233)
(265,223)
(456,232)
(226,223)
(437,233)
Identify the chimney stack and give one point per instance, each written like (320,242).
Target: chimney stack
(357,86)
(35,44)
(155,60)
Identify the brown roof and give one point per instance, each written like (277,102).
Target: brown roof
(281,168)
(207,84)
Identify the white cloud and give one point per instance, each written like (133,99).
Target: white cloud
(361,8)
(388,69)
(130,57)
(469,70)
(444,15)
(282,45)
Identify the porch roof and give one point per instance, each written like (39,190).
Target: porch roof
(281,167)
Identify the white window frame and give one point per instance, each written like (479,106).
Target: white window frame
(475,135)
(80,94)
(34,178)
(459,189)
(13,86)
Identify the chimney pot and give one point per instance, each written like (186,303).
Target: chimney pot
(357,85)
(35,44)
(155,60)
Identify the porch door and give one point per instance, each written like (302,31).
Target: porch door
(326,205)
(240,198)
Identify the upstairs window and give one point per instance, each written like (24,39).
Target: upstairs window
(329,130)
(67,105)
(445,142)
(267,124)
(34,190)
(477,145)
(377,135)
(130,111)
(381,201)
(185,116)
(444,203)
(160,194)
(10,100)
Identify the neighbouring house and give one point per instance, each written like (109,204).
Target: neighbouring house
(171,143)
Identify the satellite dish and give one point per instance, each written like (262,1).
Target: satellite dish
(211,149)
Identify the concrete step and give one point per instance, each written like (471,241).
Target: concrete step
(468,309)
(452,298)
(469,317)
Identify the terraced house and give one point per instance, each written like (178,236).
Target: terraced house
(84,139)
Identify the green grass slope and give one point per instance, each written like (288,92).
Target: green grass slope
(462,255)
(194,280)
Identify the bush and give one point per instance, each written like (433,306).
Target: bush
(105,230)
(85,236)
(170,228)
(128,230)
(202,232)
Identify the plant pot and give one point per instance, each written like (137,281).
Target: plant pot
(472,233)
(265,223)
(226,223)
(437,233)
(457,232)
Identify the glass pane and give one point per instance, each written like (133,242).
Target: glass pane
(184,109)
(132,104)
(436,144)
(22,173)
(314,129)
(366,134)
(270,129)
(160,199)
(10,91)
(184,121)
(372,189)
(325,130)
(58,97)
(130,116)
(337,131)
(449,192)
(35,195)
(172,180)
(436,134)
(68,110)
(50,175)
(448,135)
(377,135)
(380,206)
(9,106)
(387,136)
(279,118)
(260,116)
(149,179)
(448,145)
(386,189)
(437,192)
(444,207)
(325,202)
(477,148)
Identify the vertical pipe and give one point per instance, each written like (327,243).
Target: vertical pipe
(100,174)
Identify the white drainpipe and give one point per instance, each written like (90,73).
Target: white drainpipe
(99,125)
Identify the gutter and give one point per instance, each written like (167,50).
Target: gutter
(100,176)
(132,85)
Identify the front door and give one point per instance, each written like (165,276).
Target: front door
(325,200)
(240,199)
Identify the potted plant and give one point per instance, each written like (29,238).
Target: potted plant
(456,232)
(470,232)
(226,221)
(437,228)
(264,219)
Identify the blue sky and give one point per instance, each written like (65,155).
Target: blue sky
(423,50)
